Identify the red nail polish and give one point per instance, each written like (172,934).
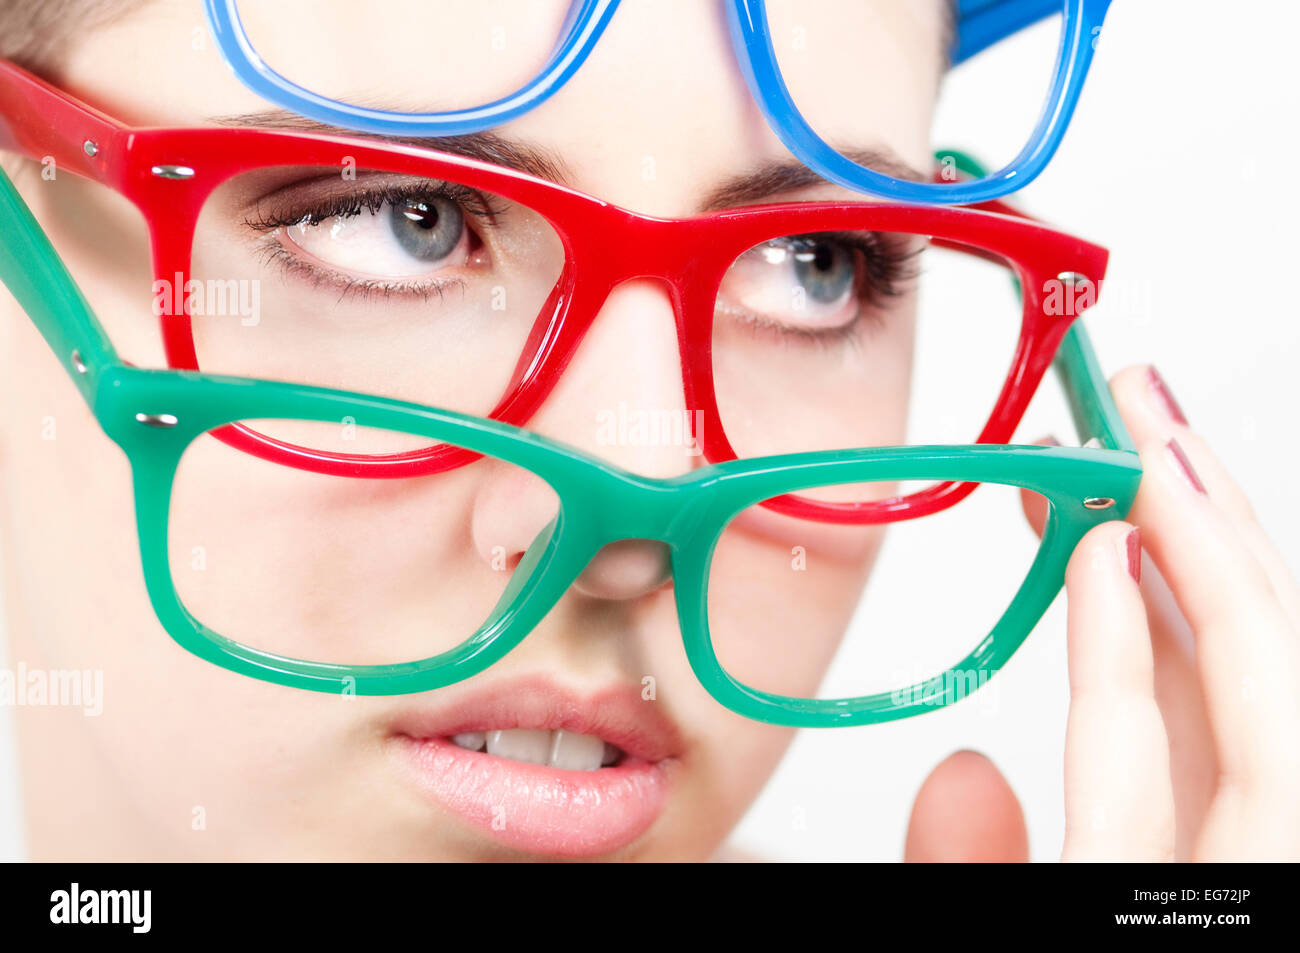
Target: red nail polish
(1165,397)
(1185,465)
(1133,549)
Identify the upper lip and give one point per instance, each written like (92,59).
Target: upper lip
(619,716)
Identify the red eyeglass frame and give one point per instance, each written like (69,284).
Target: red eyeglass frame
(605,246)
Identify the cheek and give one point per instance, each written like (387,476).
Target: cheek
(75,601)
(790,397)
(342,570)
(781,594)
(323,568)
(189,759)
(69,540)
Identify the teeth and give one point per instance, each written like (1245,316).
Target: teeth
(557,749)
(473,740)
(571,752)
(520,744)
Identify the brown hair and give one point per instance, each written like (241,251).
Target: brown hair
(36,34)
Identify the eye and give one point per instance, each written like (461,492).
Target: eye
(408,238)
(801,282)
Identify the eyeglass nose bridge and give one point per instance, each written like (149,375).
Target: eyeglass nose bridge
(631,507)
(613,508)
(650,248)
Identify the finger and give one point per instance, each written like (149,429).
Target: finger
(1153,415)
(1247,653)
(1194,765)
(1118,795)
(966,811)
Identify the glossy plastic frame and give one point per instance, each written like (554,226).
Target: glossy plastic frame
(154,415)
(980,24)
(605,246)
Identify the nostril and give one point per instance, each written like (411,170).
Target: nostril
(627,569)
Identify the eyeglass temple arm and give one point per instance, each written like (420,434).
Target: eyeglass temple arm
(33,272)
(51,127)
(982,23)
(1086,389)
(1091,404)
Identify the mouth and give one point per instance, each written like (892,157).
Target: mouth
(565,750)
(538,769)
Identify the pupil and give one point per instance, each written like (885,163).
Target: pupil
(421,214)
(823,269)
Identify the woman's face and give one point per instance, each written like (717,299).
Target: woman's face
(188,760)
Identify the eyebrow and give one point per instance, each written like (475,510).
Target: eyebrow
(778,176)
(483,146)
(763,183)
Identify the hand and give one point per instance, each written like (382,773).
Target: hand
(1182,740)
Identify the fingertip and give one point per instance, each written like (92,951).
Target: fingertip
(1107,552)
(965,811)
(1133,383)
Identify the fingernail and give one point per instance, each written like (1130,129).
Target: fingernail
(1185,465)
(1164,397)
(1133,553)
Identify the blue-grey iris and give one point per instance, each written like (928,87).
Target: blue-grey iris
(824,269)
(427,230)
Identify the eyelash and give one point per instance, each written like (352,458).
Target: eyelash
(373,200)
(890,262)
(352,203)
(357,288)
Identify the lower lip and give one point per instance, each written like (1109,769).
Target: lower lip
(537,809)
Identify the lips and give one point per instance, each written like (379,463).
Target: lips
(540,769)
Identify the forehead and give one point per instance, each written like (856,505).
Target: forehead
(459,49)
(661,97)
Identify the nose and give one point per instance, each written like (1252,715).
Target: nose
(626,569)
(511,508)
(620,398)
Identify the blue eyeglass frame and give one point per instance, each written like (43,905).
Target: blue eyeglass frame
(980,24)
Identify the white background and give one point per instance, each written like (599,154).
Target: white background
(1182,160)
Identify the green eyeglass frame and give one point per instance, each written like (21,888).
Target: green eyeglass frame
(154,415)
